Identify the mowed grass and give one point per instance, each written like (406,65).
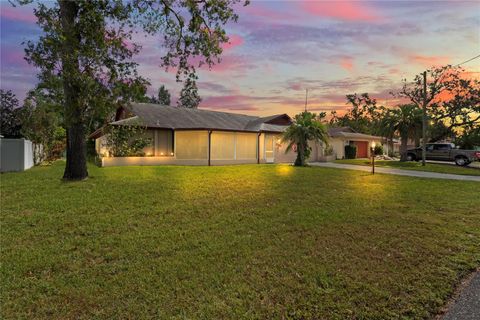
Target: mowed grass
(234,242)
(473,170)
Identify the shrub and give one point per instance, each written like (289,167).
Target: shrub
(328,151)
(350,152)
(378,151)
(126,141)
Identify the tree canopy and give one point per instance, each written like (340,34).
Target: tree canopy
(406,120)
(362,116)
(10,124)
(189,97)
(451,98)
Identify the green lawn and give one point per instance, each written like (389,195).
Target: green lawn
(234,242)
(413,165)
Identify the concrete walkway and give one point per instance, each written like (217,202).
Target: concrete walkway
(467,305)
(400,172)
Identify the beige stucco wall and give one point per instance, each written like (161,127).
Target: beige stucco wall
(100,146)
(281,156)
(279,152)
(338,145)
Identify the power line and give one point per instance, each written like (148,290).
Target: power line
(476,57)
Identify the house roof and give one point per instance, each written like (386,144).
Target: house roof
(347,132)
(166,117)
(337,130)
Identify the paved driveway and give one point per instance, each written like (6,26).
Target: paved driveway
(467,306)
(400,172)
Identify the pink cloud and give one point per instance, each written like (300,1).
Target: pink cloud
(234,41)
(347,63)
(230,63)
(22,14)
(14,57)
(342,10)
(296,86)
(429,60)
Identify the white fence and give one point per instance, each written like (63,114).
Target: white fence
(16,155)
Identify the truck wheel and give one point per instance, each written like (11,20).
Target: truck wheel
(411,157)
(461,161)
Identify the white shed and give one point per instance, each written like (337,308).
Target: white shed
(16,155)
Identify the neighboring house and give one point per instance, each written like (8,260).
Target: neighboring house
(343,136)
(201,137)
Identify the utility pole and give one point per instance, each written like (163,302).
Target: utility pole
(306,99)
(424,119)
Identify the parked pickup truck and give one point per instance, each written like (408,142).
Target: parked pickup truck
(445,152)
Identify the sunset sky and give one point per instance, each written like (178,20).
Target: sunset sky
(280,48)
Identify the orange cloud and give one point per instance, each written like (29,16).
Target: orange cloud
(343,10)
(429,61)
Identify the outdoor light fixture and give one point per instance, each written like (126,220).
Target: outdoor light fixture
(171,153)
(161,153)
(372,151)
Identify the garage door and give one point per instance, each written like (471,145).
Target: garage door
(362,149)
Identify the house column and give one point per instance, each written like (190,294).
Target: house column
(209,146)
(258,147)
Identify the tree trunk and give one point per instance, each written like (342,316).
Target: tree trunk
(403,147)
(391,147)
(76,167)
(300,161)
(417,138)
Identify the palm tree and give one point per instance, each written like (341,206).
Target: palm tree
(406,120)
(305,127)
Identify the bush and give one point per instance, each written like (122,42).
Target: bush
(127,141)
(350,152)
(378,151)
(328,151)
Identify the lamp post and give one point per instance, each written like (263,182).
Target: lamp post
(372,151)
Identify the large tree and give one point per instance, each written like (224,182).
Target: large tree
(10,124)
(189,97)
(362,116)
(163,96)
(406,121)
(451,97)
(42,123)
(88,45)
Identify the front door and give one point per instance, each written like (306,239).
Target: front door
(269,147)
(362,149)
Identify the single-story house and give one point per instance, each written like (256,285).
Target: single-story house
(200,137)
(186,136)
(343,136)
